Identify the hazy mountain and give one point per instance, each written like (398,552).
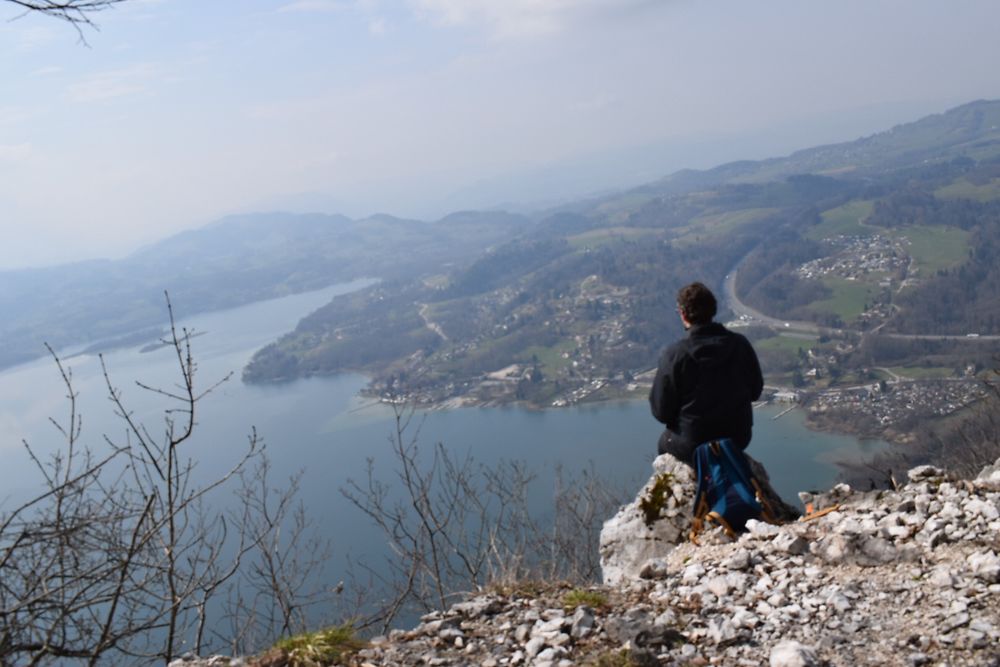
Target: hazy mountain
(969,131)
(235,260)
(242,258)
(898,232)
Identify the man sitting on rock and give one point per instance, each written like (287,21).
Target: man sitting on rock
(706,383)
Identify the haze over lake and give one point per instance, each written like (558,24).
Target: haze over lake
(321,427)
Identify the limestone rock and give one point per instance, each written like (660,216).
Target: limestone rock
(651,525)
(659,519)
(990,473)
(924,472)
(792,654)
(852,587)
(582,622)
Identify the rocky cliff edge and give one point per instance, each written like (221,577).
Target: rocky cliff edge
(906,577)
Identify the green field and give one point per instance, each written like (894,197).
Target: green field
(881,374)
(985,150)
(935,247)
(719,224)
(782,343)
(599,237)
(844,220)
(922,372)
(781,379)
(620,208)
(854,377)
(550,358)
(963,189)
(848,299)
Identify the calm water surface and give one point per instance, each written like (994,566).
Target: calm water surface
(321,428)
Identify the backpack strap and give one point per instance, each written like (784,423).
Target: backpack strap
(700,495)
(739,461)
(766,511)
(715,517)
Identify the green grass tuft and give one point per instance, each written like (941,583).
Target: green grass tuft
(652,504)
(524,588)
(322,647)
(579,597)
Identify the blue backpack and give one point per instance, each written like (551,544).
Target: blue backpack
(727,493)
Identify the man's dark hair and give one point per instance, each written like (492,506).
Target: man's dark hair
(697,303)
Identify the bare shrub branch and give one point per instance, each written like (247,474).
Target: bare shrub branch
(77,13)
(454,525)
(124,553)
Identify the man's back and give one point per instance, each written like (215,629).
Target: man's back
(706,382)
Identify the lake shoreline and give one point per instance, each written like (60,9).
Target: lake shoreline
(844,463)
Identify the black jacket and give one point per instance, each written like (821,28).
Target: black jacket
(705,386)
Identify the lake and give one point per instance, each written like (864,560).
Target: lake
(323,429)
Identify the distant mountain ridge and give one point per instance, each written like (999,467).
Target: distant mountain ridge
(971,130)
(232,261)
(897,233)
(248,257)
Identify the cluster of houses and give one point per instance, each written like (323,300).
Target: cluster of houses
(859,256)
(888,404)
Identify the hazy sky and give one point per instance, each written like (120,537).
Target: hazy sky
(181,111)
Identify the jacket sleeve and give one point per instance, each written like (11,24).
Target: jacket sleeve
(663,395)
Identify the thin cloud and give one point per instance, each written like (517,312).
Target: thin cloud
(14,114)
(514,18)
(15,152)
(113,84)
(282,110)
(597,103)
(32,38)
(46,71)
(312,6)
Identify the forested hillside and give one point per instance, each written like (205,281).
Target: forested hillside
(233,261)
(891,234)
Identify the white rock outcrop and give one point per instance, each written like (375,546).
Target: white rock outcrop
(659,519)
(908,577)
(651,525)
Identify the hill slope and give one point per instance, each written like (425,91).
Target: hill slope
(855,249)
(233,261)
